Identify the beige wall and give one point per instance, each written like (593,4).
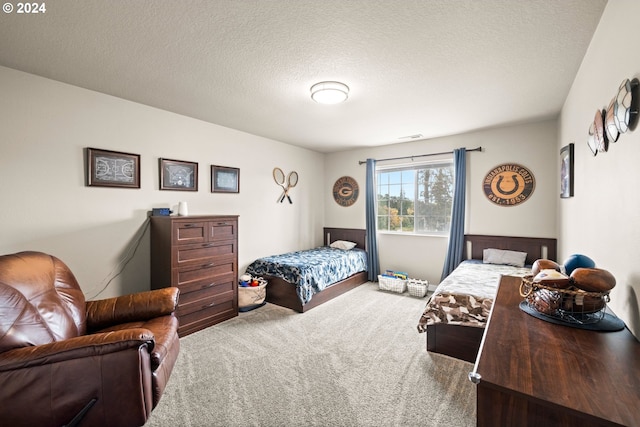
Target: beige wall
(46,206)
(601,221)
(531,145)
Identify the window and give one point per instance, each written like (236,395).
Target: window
(416,199)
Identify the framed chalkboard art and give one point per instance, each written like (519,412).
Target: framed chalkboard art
(106,168)
(178,175)
(225,179)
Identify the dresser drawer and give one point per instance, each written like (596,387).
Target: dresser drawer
(203,253)
(222,230)
(204,299)
(189,232)
(186,277)
(209,316)
(205,283)
(210,290)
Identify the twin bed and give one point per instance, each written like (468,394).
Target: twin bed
(305,279)
(456,313)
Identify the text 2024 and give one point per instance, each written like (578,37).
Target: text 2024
(31,8)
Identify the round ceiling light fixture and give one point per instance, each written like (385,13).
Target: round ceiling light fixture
(329,92)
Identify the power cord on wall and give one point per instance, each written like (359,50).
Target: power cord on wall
(118,269)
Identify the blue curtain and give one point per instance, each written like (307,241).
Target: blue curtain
(455,252)
(372,240)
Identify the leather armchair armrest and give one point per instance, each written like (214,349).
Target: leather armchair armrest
(50,384)
(131,308)
(76,348)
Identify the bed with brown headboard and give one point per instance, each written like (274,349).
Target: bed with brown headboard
(285,293)
(469,290)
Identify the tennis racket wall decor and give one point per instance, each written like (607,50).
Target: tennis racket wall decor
(291,181)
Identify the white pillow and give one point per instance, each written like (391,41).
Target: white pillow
(343,244)
(499,256)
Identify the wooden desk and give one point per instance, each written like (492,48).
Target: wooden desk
(534,373)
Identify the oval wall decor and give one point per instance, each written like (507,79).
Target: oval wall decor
(508,184)
(345,191)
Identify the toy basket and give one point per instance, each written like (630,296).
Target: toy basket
(417,288)
(392,284)
(249,296)
(570,305)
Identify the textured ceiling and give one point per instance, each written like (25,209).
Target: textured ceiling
(429,67)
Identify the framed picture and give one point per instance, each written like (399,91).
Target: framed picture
(566,171)
(107,168)
(178,175)
(225,179)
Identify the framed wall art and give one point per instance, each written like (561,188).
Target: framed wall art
(178,175)
(566,171)
(225,179)
(107,168)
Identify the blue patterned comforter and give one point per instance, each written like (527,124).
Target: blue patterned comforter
(311,270)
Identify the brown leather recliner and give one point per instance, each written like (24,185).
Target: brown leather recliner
(64,361)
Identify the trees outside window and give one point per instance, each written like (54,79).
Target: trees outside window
(416,199)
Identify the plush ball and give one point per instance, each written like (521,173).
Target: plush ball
(577,261)
(622,106)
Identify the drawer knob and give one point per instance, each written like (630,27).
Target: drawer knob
(208,245)
(208,285)
(208,265)
(222,223)
(188,225)
(211,304)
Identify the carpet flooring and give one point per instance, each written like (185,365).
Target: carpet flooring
(357,360)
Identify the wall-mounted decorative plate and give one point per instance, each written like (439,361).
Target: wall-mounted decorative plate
(591,141)
(345,191)
(610,123)
(625,108)
(602,143)
(508,184)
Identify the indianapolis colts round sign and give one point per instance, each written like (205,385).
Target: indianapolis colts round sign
(508,184)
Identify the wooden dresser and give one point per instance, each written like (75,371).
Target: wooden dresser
(199,255)
(535,373)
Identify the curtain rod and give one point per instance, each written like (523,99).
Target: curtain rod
(419,155)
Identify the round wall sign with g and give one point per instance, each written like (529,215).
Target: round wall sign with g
(345,191)
(508,184)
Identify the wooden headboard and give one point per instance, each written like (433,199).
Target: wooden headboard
(535,247)
(356,235)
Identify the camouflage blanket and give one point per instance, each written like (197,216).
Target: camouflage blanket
(465,296)
(457,309)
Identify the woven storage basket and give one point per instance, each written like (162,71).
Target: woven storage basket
(567,305)
(417,288)
(392,284)
(252,295)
